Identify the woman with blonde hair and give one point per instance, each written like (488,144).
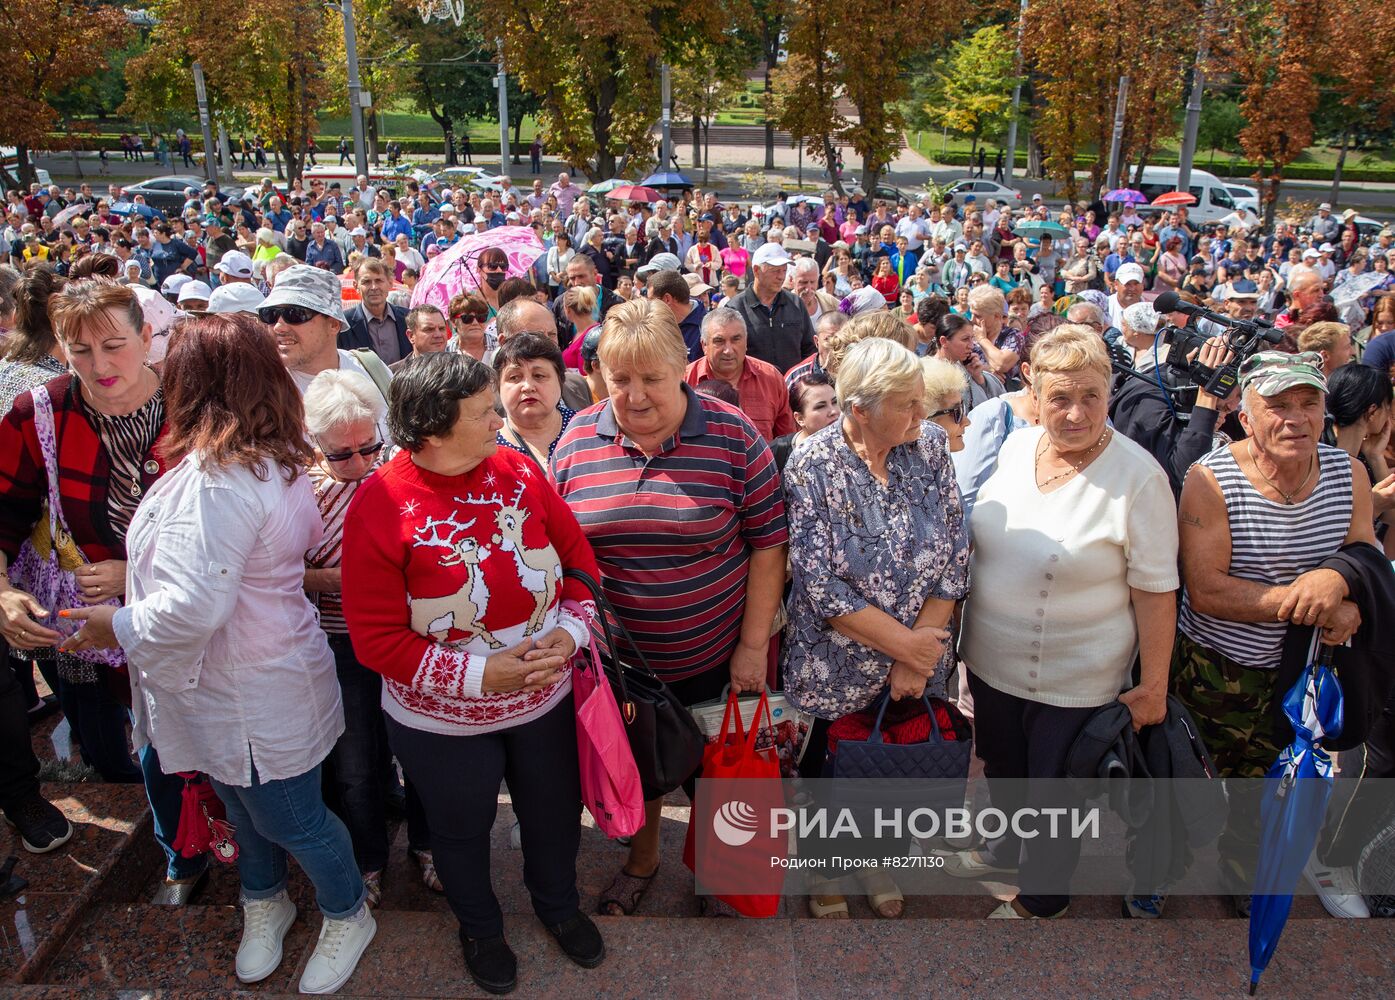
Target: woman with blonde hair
(1083,519)
(718,507)
(944,397)
(579,305)
(859,328)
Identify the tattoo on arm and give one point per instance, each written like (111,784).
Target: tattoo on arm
(1191,519)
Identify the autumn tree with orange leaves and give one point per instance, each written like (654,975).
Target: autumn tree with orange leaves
(46,45)
(263,61)
(1077,50)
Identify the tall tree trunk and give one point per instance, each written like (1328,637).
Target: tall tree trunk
(1269,195)
(1337,170)
(444,123)
(697,142)
(830,157)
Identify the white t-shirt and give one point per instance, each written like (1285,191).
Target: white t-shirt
(1050,619)
(347,362)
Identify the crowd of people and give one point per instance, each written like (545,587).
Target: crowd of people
(839,447)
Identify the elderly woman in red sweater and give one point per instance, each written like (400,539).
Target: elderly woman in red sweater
(453,590)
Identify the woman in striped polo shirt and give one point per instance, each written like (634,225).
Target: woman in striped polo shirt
(680,499)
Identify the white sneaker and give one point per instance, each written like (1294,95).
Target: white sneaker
(264,926)
(1336,888)
(970,864)
(341,945)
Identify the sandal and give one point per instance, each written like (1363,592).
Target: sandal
(881,892)
(624,893)
(828,907)
(429,878)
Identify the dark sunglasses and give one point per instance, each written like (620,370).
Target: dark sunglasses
(957,412)
(294,315)
(344,456)
(470,318)
(494,267)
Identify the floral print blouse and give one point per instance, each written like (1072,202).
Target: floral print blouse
(855,543)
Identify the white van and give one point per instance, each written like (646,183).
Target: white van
(1213,201)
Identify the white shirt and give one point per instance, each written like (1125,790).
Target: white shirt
(225,651)
(915,231)
(1050,618)
(412,258)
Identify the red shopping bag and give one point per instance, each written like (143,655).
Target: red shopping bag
(610,785)
(731,841)
(203,822)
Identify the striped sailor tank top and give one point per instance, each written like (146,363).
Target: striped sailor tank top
(1271,543)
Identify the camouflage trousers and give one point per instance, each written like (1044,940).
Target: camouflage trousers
(1233,706)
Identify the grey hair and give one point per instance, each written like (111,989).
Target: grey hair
(337,398)
(873,369)
(805,264)
(1084,309)
(722,316)
(831,322)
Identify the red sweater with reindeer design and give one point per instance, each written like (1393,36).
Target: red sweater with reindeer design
(442,571)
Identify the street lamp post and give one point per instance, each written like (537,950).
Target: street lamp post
(346,7)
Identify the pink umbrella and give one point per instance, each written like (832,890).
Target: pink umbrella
(456,270)
(633,192)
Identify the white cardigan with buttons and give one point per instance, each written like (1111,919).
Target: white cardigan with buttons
(1049,617)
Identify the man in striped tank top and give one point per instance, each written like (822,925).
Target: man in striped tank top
(1257,517)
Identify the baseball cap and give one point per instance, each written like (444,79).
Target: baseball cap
(696,286)
(1310,254)
(771,254)
(172,284)
(312,287)
(1036,197)
(1387,231)
(1327,248)
(237,297)
(1244,288)
(1272,372)
(359,231)
(194,290)
(235,264)
(707,217)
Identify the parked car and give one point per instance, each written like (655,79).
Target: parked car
(1369,229)
(983,189)
(168,193)
(1213,201)
(1244,195)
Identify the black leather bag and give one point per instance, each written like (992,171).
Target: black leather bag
(665,740)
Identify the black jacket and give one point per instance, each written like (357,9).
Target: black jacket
(782,335)
(356,336)
(1168,817)
(1366,667)
(1140,412)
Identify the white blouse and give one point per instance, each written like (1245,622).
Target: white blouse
(229,667)
(1049,617)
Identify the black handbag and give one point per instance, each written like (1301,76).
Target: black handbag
(940,767)
(665,740)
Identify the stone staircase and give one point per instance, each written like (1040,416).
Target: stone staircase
(84,929)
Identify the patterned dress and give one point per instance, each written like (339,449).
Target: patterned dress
(855,543)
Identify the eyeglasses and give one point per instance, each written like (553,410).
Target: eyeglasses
(956,412)
(470,318)
(344,456)
(294,315)
(494,267)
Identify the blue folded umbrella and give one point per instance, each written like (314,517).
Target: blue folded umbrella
(1296,790)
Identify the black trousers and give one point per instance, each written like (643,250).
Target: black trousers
(19,768)
(458,779)
(1025,739)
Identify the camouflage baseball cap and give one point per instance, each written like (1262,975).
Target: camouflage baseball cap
(1272,372)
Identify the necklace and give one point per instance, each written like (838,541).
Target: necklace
(1074,468)
(1288,497)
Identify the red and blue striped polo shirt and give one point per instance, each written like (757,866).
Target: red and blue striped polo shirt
(673,533)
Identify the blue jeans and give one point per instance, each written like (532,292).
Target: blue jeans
(274,818)
(166,795)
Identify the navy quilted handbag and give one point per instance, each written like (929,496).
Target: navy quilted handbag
(878,763)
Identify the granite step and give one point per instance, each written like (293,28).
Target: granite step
(188,953)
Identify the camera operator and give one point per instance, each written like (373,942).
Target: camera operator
(1142,410)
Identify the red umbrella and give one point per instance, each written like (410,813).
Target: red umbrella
(1174,198)
(633,192)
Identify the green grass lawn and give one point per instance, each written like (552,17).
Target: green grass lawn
(404,124)
(932,144)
